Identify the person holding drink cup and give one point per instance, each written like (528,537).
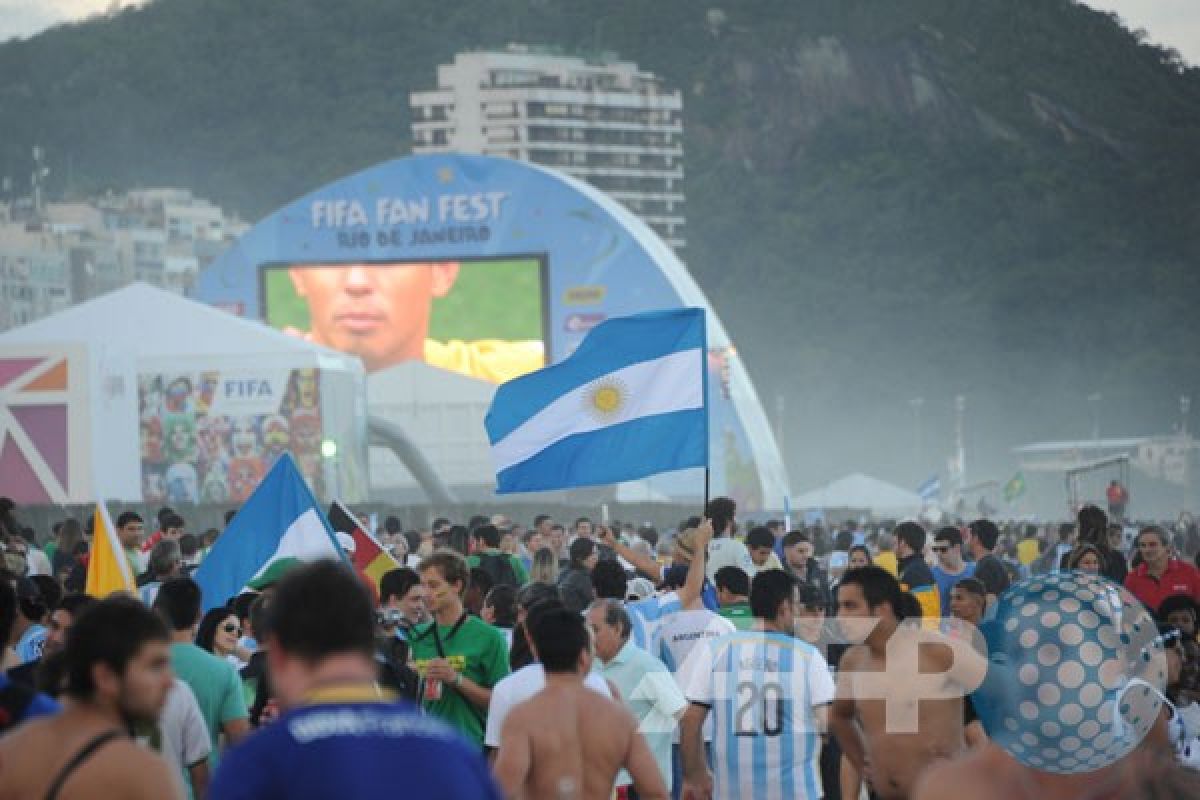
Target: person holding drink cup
(459,657)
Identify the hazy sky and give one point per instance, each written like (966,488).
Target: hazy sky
(26,17)
(1175,23)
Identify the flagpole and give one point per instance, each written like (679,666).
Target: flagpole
(704,388)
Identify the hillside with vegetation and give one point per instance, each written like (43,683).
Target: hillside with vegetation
(885,200)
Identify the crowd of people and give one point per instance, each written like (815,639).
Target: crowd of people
(551,661)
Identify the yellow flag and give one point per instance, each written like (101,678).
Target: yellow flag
(108,569)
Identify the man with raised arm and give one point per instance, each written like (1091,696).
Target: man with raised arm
(647,616)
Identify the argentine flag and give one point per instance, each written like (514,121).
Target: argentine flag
(628,403)
(931,489)
(279,526)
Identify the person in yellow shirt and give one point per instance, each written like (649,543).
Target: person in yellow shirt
(1028,549)
(886,557)
(380,313)
(492,360)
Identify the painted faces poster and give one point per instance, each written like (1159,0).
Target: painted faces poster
(210,436)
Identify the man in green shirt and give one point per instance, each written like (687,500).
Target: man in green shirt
(130,529)
(214,681)
(505,569)
(733,593)
(459,657)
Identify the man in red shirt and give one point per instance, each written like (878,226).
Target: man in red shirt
(1159,576)
(170,527)
(1118,498)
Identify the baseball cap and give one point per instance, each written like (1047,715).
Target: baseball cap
(685,540)
(639,589)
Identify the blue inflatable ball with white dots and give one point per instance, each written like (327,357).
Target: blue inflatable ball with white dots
(1075,672)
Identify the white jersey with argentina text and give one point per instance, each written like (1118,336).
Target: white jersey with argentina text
(646,618)
(762,689)
(681,633)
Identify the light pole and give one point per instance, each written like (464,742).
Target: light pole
(780,404)
(329,452)
(1094,404)
(916,404)
(960,407)
(1185,406)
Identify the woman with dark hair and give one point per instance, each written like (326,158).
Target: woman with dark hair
(459,540)
(1093,530)
(68,535)
(858,556)
(66,550)
(840,557)
(413,540)
(544,568)
(575,582)
(218,633)
(529,595)
(1086,558)
(500,610)
(1179,707)
(1182,612)
(8,523)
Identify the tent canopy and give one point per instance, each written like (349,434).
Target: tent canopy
(859,491)
(153,323)
(70,386)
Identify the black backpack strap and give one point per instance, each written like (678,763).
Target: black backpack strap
(85,752)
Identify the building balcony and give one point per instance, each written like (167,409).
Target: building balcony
(655,175)
(432,125)
(574,146)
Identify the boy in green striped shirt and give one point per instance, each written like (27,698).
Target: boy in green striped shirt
(733,593)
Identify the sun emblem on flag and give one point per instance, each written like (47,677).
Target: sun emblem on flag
(606,398)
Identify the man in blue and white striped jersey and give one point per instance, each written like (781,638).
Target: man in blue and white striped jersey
(768,692)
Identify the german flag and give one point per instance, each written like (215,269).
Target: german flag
(369,557)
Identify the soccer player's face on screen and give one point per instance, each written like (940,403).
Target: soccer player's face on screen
(379,312)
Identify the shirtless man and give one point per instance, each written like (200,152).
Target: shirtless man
(568,742)
(891,741)
(118,673)
(990,773)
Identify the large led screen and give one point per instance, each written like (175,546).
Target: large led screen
(482,318)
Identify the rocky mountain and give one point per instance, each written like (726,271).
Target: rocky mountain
(886,201)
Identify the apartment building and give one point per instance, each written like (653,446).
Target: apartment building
(53,255)
(601,120)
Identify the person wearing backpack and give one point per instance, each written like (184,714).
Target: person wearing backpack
(575,582)
(505,569)
(17,702)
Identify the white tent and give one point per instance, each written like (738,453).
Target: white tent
(442,413)
(110,357)
(858,491)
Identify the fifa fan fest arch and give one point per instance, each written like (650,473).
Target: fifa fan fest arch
(517,263)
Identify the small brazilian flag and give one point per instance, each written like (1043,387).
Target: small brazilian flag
(1015,487)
